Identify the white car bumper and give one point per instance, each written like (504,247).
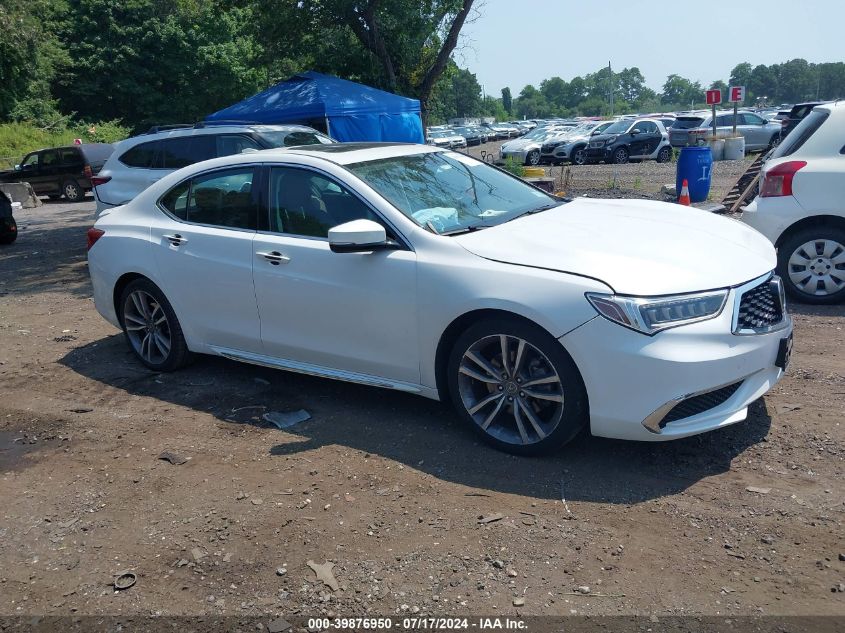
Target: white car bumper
(772,216)
(634,381)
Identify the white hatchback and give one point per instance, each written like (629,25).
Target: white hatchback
(801,206)
(430,272)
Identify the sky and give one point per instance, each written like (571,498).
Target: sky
(517,43)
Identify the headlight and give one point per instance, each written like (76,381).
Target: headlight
(610,139)
(652,314)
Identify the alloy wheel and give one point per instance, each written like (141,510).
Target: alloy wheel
(510,389)
(147,327)
(817,267)
(620,156)
(579,156)
(534,158)
(71,191)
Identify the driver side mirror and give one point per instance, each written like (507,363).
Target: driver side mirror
(17,167)
(636,131)
(360,236)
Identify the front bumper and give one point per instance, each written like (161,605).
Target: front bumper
(632,379)
(517,155)
(599,153)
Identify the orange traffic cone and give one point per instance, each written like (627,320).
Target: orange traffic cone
(684,197)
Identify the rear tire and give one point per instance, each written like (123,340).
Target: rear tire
(72,191)
(516,386)
(151,328)
(773,143)
(811,263)
(9,232)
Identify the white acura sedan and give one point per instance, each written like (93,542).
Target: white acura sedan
(427,271)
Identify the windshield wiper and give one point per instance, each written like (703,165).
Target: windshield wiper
(467,229)
(545,207)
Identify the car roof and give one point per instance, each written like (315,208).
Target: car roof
(348,153)
(229,127)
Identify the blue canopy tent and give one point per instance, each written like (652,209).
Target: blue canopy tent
(351,111)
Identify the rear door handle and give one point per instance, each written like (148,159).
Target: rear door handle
(274,257)
(175,239)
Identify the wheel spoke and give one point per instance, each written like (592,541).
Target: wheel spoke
(134,319)
(520,425)
(539,395)
(503,341)
(135,328)
(483,403)
(538,429)
(517,362)
(493,413)
(546,380)
(478,375)
(484,364)
(146,350)
(161,344)
(828,248)
(140,304)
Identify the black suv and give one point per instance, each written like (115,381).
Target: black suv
(61,171)
(8,227)
(630,139)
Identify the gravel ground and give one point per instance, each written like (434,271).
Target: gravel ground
(414,513)
(633,180)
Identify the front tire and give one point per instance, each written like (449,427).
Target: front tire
(664,155)
(579,155)
(72,191)
(516,386)
(151,328)
(811,263)
(620,156)
(533,158)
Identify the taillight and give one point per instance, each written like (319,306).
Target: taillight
(778,180)
(89,173)
(93,235)
(99,180)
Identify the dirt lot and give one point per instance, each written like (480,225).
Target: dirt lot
(388,487)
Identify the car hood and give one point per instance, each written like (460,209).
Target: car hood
(637,247)
(519,144)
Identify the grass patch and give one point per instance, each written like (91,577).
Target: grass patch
(17,139)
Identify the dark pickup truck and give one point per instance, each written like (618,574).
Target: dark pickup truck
(61,171)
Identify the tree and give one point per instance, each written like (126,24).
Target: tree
(467,92)
(632,84)
(740,75)
(678,91)
(412,41)
(555,91)
(507,100)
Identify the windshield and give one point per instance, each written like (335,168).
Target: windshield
(620,127)
(289,138)
(448,192)
(536,134)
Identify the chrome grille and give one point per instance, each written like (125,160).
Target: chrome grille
(700,403)
(761,307)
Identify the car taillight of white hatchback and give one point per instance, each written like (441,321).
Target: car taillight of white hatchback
(778,180)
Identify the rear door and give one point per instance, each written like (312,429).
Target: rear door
(71,166)
(47,175)
(203,249)
(753,128)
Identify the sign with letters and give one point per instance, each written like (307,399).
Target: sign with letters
(714,97)
(736,94)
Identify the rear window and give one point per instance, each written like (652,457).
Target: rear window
(801,134)
(97,152)
(687,122)
(799,112)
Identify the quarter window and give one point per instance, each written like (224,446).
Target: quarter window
(308,204)
(176,200)
(230,144)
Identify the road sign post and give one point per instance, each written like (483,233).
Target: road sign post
(736,94)
(714,97)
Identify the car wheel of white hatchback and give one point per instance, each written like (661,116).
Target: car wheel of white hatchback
(812,265)
(151,327)
(517,386)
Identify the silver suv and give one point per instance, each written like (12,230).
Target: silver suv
(694,128)
(141,160)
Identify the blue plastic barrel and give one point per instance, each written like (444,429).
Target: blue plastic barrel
(695,165)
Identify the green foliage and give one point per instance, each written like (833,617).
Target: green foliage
(507,100)
(514,167)
(17,139)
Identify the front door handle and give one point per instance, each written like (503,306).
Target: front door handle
(275,257)
(175,239)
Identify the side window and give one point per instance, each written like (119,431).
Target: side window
(141,155)
(230,144)
(224,199)
(176,200)
(648,127)
(70,156)
(301,138)
(186,150)
(305,203)
(30,161)
(749,119)
(50,158)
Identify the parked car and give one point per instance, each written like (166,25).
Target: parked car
(572,146)
(526,149)
(470,136)
(8,226)
(800,206)
(439,139)
(795,115)
(694,129)
(61,171)
(430,272)
(630,139)
(142,160)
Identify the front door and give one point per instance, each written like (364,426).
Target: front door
(354,312)
(645,143)
(203,250)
